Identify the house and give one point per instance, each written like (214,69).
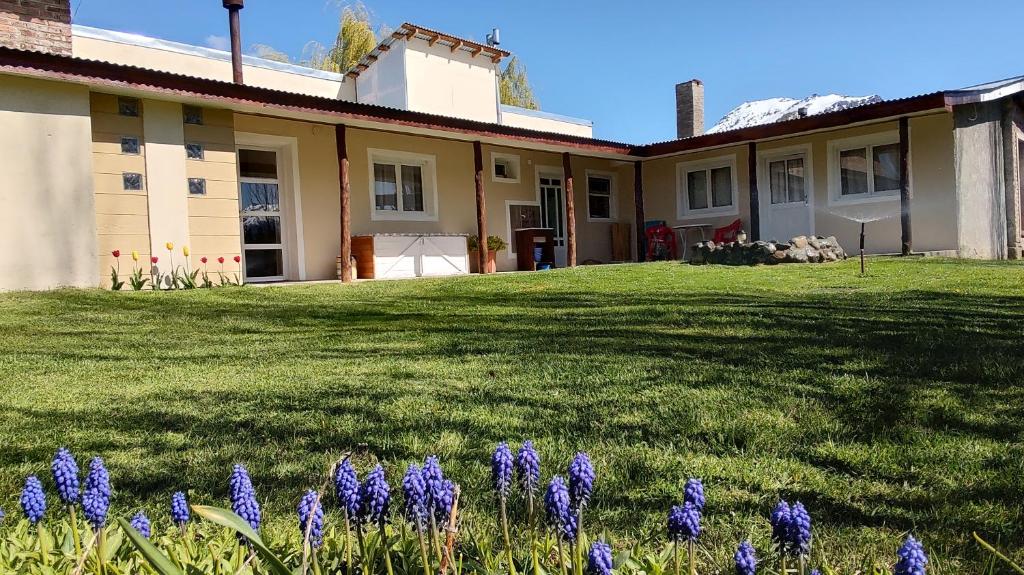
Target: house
(113,141)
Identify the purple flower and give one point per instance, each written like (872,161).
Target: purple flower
(65,475)
(799,531)
(694,493)
(311,517)
(444,502)
(501,469)
(746,560)
(415,491)
(243,497)
(781,519)
(374,498)
(33,500)
(96,495)
(599,559)
(433,480)
(559,509)
(912,558)
(2,515)
(581,480)
(346,488)
(684,522)
(179,509)
(528,466)
(141,524)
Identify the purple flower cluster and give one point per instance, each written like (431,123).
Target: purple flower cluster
(374,498)
(912,558)
(96,495)
(599,559)
(65,475)
(791,529)
(243,497)
(581,481)
(311,517)
(346,488)
(141,524)
(558,508)
(780,520)
(33,500)
(415,491)
(440,492)
(528,466)
(694,493)
(746,560)
(501,469)
(684,522)
(179,509)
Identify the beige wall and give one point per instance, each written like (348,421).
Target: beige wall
(448,83)
(213,219)
(47,229)
(166,185)
(545,124)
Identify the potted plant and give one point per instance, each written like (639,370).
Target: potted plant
(495,244)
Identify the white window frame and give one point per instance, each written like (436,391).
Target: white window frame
(512,160)
(835,185)
(682,168)
(428,165)
(613,195)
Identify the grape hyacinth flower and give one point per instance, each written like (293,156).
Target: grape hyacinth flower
(179,510)
(684,522)
(445,500)
(433,480)
(375,498)
(581,481)
(96,494)
(694,493)
(311,518)
(528,467)
(781,519)
(599,560)
(501,469)
(346,488)
(65,475)
(2,516)
(746,560)
(912,558)
(415,491)
(141,524)
(815,572)
(243,497)
(799,531)
(559,510)
(33,500)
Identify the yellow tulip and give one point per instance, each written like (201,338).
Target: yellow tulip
(185,251)
(170,246)
(135,255)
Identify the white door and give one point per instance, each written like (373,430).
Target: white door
(788,211)
(444,256)
(260,214)
(552,211)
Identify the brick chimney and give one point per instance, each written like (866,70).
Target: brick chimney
(39,25)
(689,109)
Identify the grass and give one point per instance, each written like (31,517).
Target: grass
(886,404)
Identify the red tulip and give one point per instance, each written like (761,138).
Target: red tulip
(220,260)
(153,260)
(238,259)
(116,253)
(203,259)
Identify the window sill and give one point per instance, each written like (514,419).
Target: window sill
(504,180)
(602,220)
(379,216)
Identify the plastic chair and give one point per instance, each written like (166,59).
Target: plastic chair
(661,243)
(727,233)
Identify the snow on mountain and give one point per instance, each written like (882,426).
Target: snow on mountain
(780,109)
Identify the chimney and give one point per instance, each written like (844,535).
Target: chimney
(38,25)
(234,6)
(689,109)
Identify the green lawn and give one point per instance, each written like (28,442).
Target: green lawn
(885,403)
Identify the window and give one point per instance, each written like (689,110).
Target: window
(600,196)
(129,145)
(865,168)
(197,186)
(786,180)
(521,215)
(192,115)
(194,151)
(128,107)
(402,186)
(707,188)
(505,168)
(132,180)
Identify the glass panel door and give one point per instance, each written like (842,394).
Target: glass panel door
(552,207)
(260,213)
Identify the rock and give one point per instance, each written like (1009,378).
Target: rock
(814,242)
(799,242)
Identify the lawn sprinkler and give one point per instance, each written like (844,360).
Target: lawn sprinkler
(862,224)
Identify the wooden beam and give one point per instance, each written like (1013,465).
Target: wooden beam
(481,208)
(346,211)
(456,45)
(433,40)
(755,201)
(570,212)
(638,202)
(477,50)
(384,47)
(905,232)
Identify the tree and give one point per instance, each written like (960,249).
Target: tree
(355,39)
(514,86)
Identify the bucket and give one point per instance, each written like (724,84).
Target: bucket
(538,254)
(544,266)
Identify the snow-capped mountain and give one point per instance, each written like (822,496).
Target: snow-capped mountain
(779,109)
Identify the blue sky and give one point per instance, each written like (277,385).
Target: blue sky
(617,63)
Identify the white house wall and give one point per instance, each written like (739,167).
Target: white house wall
(447,83)
(383,83)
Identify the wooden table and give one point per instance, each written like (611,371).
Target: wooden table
(686,228)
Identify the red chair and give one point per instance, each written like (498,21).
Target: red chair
(661,243)
(727,233)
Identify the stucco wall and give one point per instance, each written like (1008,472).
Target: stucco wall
(978,154)
(535,121)
(213,218)
(47,229)
(383,83)
(450,83)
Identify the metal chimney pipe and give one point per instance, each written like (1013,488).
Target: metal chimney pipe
(233,7)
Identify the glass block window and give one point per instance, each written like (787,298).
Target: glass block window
(197,186)
(129,145)
(194,151)
(128,107)
(192,115)
(132,180)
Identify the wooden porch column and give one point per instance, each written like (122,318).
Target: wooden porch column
(481,208)
(346,212)
(570,213)
(906,236)
(638,200)
(755,201)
